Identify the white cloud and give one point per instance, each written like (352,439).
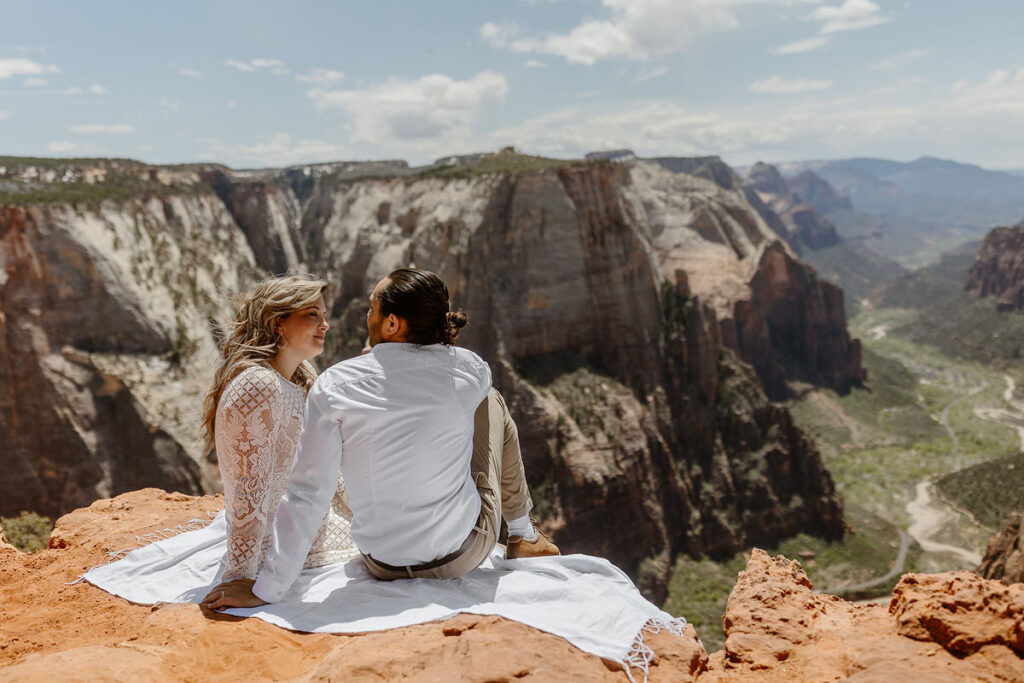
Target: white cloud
(5,115)
(666,128)
(534,64)
(275,150)
(851,15)
(35,82)
(780,85)
(898,59)
(407,112)
(231,104)
(1002,92)
(321,76)
(636,29)
(190,73)
(256,64)
(649,74)
(61,147)
(19,66)
(800,46)
(97,89)
(112,129)
(73,90)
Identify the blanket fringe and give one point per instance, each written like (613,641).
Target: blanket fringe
(151,537)
(640,655)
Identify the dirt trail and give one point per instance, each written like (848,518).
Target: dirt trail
(927,519)
(1012,417)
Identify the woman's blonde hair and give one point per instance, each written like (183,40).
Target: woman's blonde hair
(254,339)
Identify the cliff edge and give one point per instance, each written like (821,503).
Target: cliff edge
(949,627)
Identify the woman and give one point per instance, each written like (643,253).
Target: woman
(254,414)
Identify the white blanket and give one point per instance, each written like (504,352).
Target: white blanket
(586,600)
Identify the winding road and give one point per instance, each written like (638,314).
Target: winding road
(928,516)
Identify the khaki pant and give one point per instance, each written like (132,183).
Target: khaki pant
(497,469)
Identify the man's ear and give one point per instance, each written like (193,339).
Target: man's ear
(392,326)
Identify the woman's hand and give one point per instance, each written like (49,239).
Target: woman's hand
(237,593)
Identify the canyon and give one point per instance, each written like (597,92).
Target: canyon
(639,321)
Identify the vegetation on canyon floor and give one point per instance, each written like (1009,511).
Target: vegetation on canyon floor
(28,532)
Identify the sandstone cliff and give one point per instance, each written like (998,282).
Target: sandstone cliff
(998,269)
(105,314)
(806,228)
(943,627)
(617,304)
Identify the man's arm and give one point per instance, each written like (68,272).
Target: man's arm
(311,486)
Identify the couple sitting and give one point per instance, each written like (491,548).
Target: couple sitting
(405,455)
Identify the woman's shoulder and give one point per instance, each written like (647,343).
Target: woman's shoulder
(255,384)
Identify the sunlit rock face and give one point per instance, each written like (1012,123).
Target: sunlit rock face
(633,317)
(942,627)
(105,315)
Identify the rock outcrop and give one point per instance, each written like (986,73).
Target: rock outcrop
(949,627)
(941,627)
(818,193)
(806,229)
(998,269)
(1004,555)
(55,630)
(617,303)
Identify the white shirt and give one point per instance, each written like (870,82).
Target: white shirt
(398,422)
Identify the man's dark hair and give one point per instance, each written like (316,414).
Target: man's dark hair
(421,298)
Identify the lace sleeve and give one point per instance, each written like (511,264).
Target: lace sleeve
(248,418)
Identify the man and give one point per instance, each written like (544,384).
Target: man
(429,453)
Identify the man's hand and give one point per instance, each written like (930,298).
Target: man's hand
(237,593)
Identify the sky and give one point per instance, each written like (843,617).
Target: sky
(255,83)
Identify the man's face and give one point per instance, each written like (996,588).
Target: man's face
(374,320)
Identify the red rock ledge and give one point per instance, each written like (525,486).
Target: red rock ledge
(51,631)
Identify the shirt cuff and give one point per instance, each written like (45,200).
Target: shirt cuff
(266,589)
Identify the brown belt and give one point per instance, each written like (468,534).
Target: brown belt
(433,564)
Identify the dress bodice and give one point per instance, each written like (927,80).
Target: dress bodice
(259,420)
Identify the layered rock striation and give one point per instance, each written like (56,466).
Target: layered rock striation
(998,269)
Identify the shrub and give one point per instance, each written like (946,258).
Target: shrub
(28,532)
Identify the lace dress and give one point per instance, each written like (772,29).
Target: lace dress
(259,419)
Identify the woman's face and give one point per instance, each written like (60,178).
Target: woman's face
(304,330)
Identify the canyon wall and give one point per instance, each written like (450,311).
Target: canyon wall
(998,269)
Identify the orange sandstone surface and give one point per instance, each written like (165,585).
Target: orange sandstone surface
(53,631)
(941,627)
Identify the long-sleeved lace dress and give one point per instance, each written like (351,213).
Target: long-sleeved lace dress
(259,419)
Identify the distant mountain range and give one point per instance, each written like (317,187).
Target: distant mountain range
(914,211)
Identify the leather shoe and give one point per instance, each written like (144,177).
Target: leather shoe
(540,547)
